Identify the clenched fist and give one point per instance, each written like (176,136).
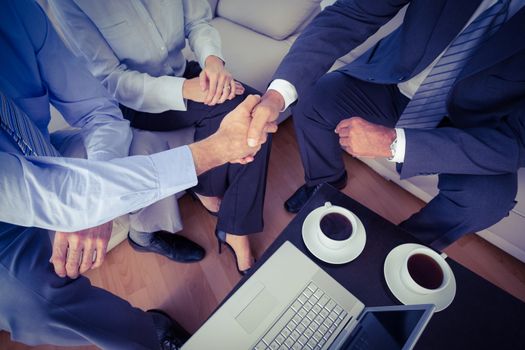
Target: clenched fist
(77,252)
(361,138)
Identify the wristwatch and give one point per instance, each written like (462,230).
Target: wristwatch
(393,148)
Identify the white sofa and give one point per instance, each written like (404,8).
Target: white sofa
(255,37)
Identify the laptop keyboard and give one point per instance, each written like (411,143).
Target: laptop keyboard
(307,324)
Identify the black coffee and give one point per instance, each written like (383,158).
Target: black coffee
(425,271)
(336,226)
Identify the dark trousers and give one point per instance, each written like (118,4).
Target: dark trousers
(465,203)
(242,187)
(38,307)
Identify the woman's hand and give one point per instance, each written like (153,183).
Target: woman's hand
(192,90)
(218,82)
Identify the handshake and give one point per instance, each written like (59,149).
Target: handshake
(239,137)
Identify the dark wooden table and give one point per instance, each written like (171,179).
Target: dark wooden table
(482,316)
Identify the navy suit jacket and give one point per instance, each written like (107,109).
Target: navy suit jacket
(486,105)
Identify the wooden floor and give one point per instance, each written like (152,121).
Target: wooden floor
(191,292)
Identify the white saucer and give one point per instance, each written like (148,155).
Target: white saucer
(329,255)
(392,270)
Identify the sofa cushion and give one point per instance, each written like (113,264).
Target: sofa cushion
(277,19)
(251,57)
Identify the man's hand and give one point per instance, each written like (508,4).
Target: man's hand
(192,90)
(77,252)
(228,144)
(264,116)
(217,82)
(361,138)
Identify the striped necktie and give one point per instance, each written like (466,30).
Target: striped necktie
(23,130)
(428,106)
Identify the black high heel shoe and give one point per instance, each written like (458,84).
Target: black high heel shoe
(194,196)
(221,239)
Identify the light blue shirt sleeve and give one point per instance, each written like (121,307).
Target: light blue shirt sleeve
(67,194)
(135,47)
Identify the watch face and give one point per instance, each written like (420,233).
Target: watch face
(393,147)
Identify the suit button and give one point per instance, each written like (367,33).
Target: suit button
(401,78)
(371,79)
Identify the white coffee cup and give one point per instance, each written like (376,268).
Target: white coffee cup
(436,262)
(333,243)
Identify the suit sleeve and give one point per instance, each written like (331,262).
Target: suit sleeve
(475,151)
(337,30)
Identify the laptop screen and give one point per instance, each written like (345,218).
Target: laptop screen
(387,329)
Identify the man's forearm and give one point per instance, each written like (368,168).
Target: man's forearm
(86,193)
(205,155)
(228,144)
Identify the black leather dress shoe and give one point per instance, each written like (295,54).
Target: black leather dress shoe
(171,334)
(174,247)
(303,194)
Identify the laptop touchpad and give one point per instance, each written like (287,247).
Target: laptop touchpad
(262,303)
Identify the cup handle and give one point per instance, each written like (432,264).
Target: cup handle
(444,256)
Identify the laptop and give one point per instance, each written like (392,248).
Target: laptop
(291,303)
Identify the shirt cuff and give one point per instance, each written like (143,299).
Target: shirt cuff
(176,170)
(286,89)
(399,147)
(168,90)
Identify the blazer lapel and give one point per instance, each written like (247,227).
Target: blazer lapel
(503,44)
(454,16)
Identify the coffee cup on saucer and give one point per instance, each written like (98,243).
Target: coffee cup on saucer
(424,271)
(335,228)
(416,274)
(334,234)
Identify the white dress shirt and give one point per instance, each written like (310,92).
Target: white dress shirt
(135,47)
